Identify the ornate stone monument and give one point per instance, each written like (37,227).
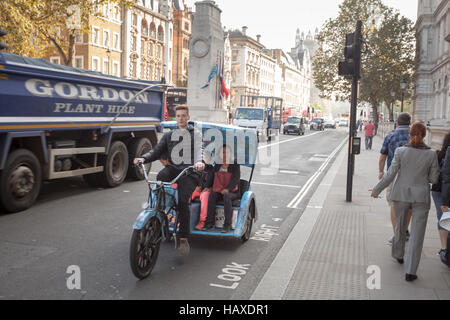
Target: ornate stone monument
(206,52)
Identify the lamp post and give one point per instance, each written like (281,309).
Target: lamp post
(391,114)
(108,52)
(403,88)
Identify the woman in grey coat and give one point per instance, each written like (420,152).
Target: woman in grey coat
(414,167)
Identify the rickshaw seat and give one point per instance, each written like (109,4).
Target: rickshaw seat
(243,188)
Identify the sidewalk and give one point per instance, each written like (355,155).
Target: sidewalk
(345,240)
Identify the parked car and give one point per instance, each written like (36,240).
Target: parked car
(317,124)
(294,125)
(330,124)
(343,123)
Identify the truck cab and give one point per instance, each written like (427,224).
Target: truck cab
(252,118)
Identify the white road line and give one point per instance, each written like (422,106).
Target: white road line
(288,172)
(284,141)
(276,185)
(299,197)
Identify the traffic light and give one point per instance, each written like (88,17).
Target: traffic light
(351,67)
(2,44)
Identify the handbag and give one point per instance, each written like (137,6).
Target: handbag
(445,220)
(221,181)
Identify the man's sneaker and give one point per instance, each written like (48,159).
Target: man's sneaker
(226,229)
(443,256)
(391,241)
(183,248)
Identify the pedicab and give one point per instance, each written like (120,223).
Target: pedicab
(158,221)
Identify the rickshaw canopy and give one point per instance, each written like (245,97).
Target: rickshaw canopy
(242,140)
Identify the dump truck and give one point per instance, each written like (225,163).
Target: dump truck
(58,122)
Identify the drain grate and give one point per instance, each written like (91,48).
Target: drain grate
(333,263)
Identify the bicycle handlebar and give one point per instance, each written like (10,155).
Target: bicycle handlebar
(141,164)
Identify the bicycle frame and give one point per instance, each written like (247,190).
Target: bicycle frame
(157,207)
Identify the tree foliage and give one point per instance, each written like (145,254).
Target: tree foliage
(36,27)
(389,52)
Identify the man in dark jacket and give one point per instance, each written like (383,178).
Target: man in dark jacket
(174,145)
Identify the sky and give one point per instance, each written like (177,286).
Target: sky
(277,21)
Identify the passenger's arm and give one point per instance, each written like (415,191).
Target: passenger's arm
(235,178)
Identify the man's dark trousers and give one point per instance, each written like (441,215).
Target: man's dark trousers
(186,186)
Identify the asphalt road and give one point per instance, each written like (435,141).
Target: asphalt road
(73,224)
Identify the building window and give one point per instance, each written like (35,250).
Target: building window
(142,48)
(134,19)
(116,41)
(152,30)
(144,27)
(95,64)
(55,60)
(78,37)
(105,66)
(95,35)
(185,65)
(133,43)
(150,49)
(106,42)
(158,52)
(186,26)
(106,10)
(116,13)
(160,33)
(115,70)
(133,67)
(79,62)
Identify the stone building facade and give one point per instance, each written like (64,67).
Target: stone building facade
(182,24)
(431,96)
(148,40)
(101,49)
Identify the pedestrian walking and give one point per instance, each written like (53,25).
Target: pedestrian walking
(398,138)
(369,129)
(414,167)
(446,196)
(436,192)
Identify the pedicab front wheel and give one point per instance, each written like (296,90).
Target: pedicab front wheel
(144,248)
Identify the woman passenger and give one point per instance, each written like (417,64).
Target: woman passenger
(223,181)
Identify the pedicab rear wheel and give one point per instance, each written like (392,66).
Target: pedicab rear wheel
(249,223)
(144,248)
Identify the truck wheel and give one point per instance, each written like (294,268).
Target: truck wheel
(20,181)
(115,165)
(136,149)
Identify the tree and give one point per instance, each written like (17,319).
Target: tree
(35,26)
(389,52)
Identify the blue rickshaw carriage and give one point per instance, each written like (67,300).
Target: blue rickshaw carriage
(244,143)
(157,221)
